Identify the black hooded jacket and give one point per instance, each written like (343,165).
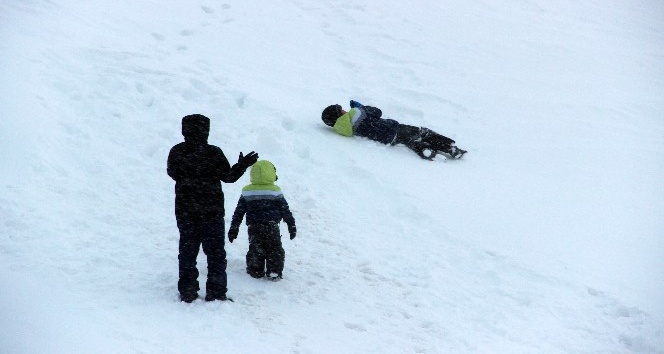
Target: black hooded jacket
(198,169)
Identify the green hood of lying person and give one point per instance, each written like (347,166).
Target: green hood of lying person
(263,175)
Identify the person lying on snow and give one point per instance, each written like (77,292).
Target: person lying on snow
(366,121)
(265,206)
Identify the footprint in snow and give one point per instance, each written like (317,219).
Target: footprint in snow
(355,326)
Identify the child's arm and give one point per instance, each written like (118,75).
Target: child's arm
(240,210)
(355,104)
(288,218)
(373,111)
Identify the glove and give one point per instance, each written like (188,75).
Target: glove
(232,234)
(355,104)
(246,161)
(292,231)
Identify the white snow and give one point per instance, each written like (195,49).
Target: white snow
(548,237)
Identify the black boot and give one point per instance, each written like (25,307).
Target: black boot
(255,274)
(210,297)
(435,139)
(456,153)
(188,298)
(422,149)
(441,143)
(273,276)
(426,153)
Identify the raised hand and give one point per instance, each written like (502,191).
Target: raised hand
(247,161)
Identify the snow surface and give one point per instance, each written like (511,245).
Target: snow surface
(548,237)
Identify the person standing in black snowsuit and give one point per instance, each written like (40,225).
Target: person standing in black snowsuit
(366,121)
(198,169)
(265,206)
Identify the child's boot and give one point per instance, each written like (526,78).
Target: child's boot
(421,149)
(456,153)
(254,274)
(427,153)
(273,276)
(434,139)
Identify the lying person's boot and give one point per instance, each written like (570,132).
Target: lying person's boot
(454,152)
(427,154)
(422,150)
(457,153)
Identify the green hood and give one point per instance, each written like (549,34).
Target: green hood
(344,124)
(263,175)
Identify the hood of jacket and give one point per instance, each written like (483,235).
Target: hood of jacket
(263,172)
(196,128)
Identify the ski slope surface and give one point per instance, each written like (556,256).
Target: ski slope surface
(547,237)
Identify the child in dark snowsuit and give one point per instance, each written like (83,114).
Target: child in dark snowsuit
(366,121)
(265,206)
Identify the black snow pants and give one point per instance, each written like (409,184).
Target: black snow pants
(266,254)
(420,139)
(209,234)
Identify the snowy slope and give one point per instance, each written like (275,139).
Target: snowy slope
(548,237)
